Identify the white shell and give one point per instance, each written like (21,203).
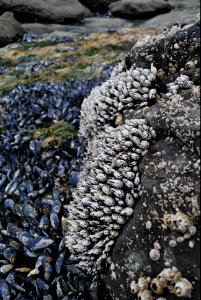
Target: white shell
(127,212)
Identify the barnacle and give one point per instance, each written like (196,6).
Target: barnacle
(110,201)
(179,222)
(171,279)
(183,288)
(125,90)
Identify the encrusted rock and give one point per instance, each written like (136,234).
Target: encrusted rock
(142,166)
(168,211)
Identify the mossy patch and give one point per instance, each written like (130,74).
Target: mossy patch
(92,51)
(5,62)
(55,134)
(26,58)
(40,44)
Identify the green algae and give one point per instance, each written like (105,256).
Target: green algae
(55,134)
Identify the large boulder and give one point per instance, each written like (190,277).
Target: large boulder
(139,8)
(183,13)
(97,5)
(51,11)
(10,29)
(163,234)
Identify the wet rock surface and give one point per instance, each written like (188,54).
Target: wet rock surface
(57,11)
(183,13)
(150,242)
(97,5)
(134,9)
(10,29)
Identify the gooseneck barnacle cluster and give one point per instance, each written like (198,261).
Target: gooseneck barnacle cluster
(107,192)
(130,89)
(110,181)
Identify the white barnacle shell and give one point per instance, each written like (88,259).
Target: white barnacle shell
(106,219)
(125,133)
(154,254)
(116,209)
(183,288)
(108,201)
(97,214)
(135,96)
(120,163)
(142,78)
(128,211)
(135,140)
(135,156)
(73,224)
(137,179)
(145,135)
(118,192)
(115,183)
(134,287)
(106,168)
(114,233)
(136,84)
(108,245)
(106,190)
(129,200)
(117,175)
(152,93)
(119,219)
(95,251)
(145,295)
(78,247)
(144,90)
(144,145)
(128,144)
(153,69)
(101,177)
(129,184)
(106,210)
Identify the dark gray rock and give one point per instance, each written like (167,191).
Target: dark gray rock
(97,5)
(169,171)
(10,29)
(183,13)
(51,11)
(139,8)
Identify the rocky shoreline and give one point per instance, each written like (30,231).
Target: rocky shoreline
(167,14)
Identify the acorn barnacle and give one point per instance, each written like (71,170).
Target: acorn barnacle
(183,288)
